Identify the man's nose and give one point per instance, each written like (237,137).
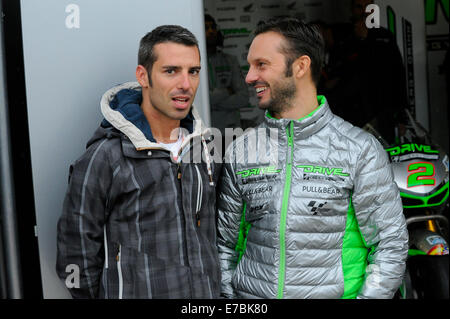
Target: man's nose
(251,76)
(185,82)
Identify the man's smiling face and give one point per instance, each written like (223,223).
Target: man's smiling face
(267,72)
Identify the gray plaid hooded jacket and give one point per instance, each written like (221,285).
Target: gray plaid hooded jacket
(136,223)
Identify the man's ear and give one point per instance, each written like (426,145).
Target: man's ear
(301,66)
(142,76)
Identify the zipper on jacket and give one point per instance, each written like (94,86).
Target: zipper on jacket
(179,171)
(284,208)
(184,234)
(106,265)
(119,271)
(198,207)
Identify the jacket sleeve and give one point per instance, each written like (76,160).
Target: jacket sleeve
(80,255)
(230,206)
(240,96)
(379,212)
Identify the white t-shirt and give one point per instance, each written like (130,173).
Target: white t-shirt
(174,148)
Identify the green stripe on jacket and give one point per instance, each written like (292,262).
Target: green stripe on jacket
(243,232)
(354,256)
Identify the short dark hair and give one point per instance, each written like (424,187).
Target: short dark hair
(162,34)
(301,39)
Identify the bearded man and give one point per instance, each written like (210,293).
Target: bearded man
(314,212)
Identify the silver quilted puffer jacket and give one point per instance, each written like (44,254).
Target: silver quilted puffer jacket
(309,209)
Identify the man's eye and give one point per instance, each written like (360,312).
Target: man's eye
(195,72)
(170,71)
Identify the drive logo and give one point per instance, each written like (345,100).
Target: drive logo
(409,148)
(258,171)
(323,170)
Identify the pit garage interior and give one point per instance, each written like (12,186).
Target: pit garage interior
(58,57)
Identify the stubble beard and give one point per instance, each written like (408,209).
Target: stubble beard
(169,112)
(281,96)
(173,114)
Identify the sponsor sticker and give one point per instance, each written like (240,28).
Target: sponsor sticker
(438,250)
(434,240)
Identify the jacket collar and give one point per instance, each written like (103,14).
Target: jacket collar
(305,126)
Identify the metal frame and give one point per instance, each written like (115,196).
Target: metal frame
(418,219)
(11,275)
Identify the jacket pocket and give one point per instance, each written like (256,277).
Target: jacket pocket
(105,276)
(138,275)
(132,273)
(119,272)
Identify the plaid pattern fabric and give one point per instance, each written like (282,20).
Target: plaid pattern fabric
(131,227)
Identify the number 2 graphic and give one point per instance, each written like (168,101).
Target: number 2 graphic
(422,174)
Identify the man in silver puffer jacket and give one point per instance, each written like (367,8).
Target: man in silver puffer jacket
(307,203)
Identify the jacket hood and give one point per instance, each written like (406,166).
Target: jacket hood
(121,109)
(103,132)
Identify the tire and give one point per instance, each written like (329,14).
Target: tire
(430,276)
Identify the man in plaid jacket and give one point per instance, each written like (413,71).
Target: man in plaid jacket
(139,216)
